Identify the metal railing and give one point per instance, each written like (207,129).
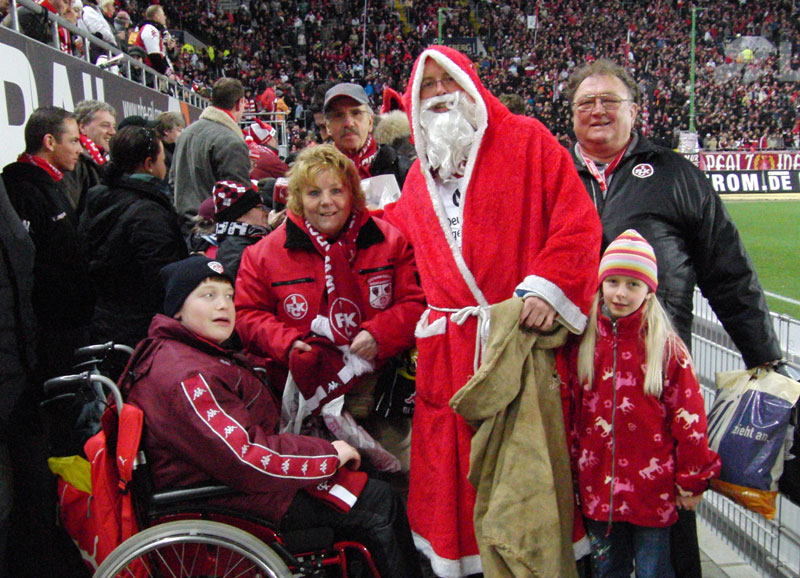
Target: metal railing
(128,67)
(771,546)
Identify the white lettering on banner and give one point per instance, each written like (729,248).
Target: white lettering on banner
(62,95)
(779,181)
(99,92)
(752,182)
(788,162)
(728,161)
(740,161)
(20,75)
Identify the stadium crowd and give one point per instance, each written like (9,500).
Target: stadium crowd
(653,39)
(285,51)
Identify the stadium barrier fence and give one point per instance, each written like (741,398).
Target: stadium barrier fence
(770,546)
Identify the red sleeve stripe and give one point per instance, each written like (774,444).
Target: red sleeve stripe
(202,400)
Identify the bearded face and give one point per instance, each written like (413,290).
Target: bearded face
(449,132)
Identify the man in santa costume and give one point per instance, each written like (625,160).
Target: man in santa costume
(494,208)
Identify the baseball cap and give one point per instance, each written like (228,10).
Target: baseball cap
(354,91)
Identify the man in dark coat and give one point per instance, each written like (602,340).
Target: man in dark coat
(97,123)
(35,24)
(17,342)
(211,149)
(62,294)
(62,301)
(635,184)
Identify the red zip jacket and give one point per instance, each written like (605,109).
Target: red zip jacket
(210,419)
(280,288)
(635,450)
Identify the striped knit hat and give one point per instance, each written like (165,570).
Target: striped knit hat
(630,255)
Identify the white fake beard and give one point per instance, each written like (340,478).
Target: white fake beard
(449,134)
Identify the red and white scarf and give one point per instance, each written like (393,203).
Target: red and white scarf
(51,170)
(98,156)
(345,303)
(363,158)
(603,177)
(341,491)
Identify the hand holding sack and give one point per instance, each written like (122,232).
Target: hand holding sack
(748,426)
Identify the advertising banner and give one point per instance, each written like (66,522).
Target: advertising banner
(755,182)
(750,173)
(34,75)
(466,44)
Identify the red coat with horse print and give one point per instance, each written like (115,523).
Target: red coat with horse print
(634,452)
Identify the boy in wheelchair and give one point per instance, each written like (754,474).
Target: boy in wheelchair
(209,418)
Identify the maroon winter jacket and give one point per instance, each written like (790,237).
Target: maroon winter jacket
(281,287)
(210,419)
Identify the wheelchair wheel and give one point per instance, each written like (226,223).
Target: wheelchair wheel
(193,548)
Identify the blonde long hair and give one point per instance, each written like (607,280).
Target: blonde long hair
(661,342)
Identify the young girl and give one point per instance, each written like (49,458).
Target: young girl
(641,446)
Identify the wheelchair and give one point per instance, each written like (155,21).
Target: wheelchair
(180,533)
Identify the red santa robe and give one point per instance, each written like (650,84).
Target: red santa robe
(527,226)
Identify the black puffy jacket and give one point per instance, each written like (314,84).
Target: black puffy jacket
(672,204)
(388,161)
(62,294)
(130,230)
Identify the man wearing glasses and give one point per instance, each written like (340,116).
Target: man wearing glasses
(635,184)
(494,209)
(349,120)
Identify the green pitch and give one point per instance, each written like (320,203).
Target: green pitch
(771,233)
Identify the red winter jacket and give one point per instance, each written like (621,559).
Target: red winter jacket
(281,287)
(210,419)
(634,451)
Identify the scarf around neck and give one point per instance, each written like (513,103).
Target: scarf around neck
(344,303)
(93,150)
(364,157)
(602,177)
(46,166)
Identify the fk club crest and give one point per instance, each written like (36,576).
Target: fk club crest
(380,291)
(296,306)
(345,318)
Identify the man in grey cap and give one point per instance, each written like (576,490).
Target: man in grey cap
(349,118)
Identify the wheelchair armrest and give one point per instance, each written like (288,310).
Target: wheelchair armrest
(170,497)
(65,384)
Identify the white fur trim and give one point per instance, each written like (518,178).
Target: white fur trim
(482,117)
(426,329)
(445,567)
(582,548)
(569,314)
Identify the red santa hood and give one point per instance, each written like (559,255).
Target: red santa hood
(460,68)
(513,160)
(392,100)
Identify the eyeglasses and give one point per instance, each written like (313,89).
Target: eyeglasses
(340,115)
(428,85)
(609,102)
